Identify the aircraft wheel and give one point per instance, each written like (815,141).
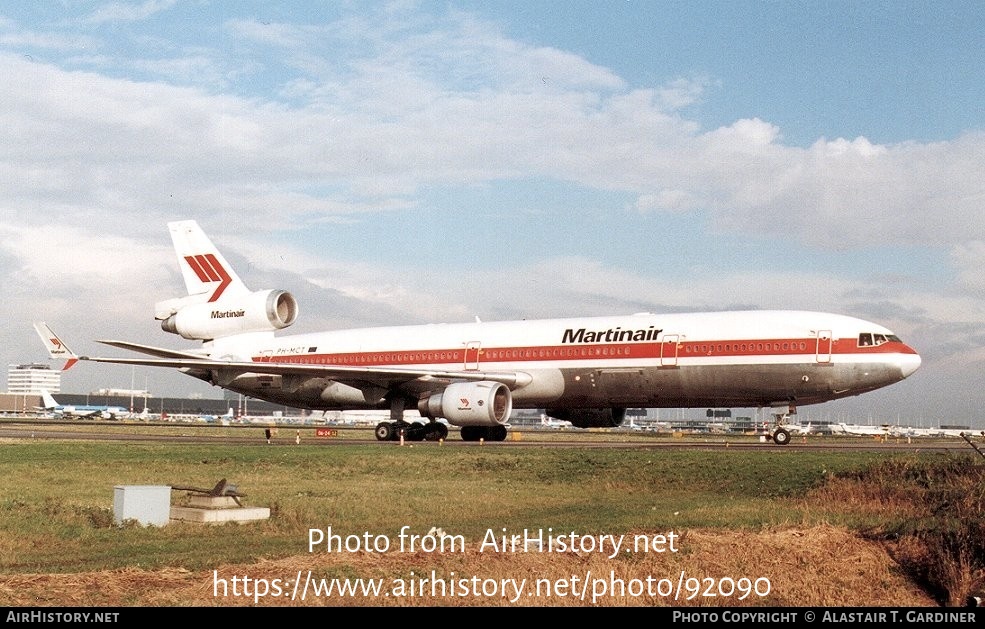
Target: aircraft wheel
(435,431)
(416,432)
(471,433)
(496,433)
(781,437)
(385,431)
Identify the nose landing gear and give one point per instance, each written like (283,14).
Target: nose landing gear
(780,435)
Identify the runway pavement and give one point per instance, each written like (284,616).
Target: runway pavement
(254,435)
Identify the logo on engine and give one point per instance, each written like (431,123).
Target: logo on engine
(209,270)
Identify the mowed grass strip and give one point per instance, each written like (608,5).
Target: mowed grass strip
(56,500)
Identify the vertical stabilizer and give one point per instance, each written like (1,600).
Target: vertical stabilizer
(56,349)
(204,269)
(49,402)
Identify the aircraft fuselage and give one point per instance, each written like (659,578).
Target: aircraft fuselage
(722,359)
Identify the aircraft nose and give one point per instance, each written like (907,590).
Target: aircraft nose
(909,363)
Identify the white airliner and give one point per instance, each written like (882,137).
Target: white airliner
(85,411)
(586,371)
(798,429)
(860,430)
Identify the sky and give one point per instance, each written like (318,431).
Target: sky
(410,162)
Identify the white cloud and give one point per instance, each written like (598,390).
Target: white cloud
(45,41)
(357,118)
(127,12)
(73,260)
(683,92)
(388,130)
(969,260)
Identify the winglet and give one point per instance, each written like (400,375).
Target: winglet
(56,349)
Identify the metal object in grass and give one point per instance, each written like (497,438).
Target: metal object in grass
(972,444)
(221,489)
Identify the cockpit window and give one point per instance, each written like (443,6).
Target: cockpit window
(870,339)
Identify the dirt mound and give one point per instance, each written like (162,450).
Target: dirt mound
(820,566)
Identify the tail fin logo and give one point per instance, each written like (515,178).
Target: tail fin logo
(209,270)
(59,348)
(56,348)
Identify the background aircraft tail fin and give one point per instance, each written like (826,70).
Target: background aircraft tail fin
(56,349)
(48,401)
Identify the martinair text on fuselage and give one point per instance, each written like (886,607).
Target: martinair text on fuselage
(616,335)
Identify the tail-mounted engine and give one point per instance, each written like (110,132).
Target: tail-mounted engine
(470,404)
(262,311)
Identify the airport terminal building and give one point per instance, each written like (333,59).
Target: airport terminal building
(31,378)
(157,407)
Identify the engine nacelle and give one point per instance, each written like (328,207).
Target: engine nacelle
(590,417)
(262,311)
(470,404)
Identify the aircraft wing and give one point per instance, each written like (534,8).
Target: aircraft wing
(150,350)
(381,376)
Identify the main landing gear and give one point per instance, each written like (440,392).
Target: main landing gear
(432,430)
(398,427)
(412,431)
(436,431)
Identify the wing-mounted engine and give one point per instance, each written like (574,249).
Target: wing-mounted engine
(261,311)
(590,417)
(470,404)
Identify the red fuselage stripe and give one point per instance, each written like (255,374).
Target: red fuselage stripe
(613,351)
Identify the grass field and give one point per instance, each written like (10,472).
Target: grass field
(56,505)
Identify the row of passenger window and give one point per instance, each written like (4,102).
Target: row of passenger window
(728,348)
(556,353)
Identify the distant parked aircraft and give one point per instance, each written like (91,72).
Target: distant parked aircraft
(81,412)
(861,429)
(799,429)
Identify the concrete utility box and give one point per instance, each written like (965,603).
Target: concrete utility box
(147,504)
